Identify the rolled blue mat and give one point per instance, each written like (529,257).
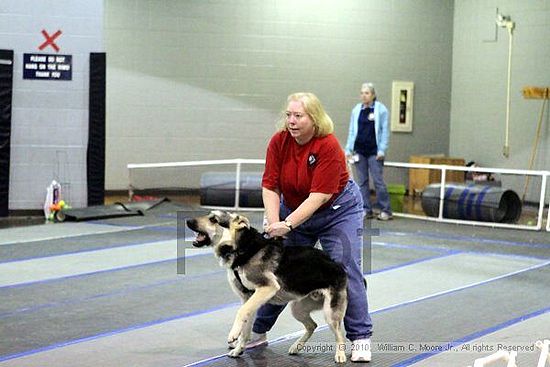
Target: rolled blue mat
(483,203)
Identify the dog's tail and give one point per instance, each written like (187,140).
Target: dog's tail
(338,296)
(338,290)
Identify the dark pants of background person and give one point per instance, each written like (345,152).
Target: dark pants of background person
(363,167)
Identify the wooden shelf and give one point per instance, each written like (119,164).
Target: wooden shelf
(420,177)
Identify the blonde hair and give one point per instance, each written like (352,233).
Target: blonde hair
(312,106)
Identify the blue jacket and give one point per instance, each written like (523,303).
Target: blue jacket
(381,127)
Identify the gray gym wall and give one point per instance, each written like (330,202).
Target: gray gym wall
(202,79)
(480,64)
(194,80)
(50,118)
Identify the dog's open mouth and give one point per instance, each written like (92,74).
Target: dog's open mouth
(201,239)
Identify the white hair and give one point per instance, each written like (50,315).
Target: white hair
(370,87)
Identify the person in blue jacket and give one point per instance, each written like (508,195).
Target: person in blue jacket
(366,147)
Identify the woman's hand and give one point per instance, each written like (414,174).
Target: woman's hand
(277,229)
(271,199)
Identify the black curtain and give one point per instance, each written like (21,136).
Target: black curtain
(6,88)
(95,165)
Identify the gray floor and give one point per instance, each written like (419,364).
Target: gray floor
(132,292)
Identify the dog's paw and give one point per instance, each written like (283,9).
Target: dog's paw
(340,357)
(235,353)
(296,347)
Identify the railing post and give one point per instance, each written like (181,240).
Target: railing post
(544,347)
(541,203)
(237,184)
(442,193)
(130,186)
(545,181)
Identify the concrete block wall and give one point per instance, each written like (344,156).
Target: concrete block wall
(195,80)
(50,118)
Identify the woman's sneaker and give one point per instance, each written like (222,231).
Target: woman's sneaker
(385,216)
(360,350)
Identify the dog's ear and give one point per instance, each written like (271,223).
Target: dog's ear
(220,217)
(240,222)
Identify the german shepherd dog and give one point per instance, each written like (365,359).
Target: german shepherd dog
(261,270)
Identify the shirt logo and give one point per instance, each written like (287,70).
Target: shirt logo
(311,160)
(371,116)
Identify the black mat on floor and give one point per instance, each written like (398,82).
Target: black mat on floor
(108,211)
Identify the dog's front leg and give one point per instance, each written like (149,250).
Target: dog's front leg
(240,345)
(249,308)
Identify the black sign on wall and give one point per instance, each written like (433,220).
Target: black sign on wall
(47,67)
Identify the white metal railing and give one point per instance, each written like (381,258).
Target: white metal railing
(444,168)
(510,356)
(500,355)
(544,347)
(238,162)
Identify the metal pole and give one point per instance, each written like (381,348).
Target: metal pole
(506,150)
(130,187)
(544,347)
(541,203)
(237,184)
(442,193)
(544,180)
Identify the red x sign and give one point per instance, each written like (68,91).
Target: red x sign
(50,40)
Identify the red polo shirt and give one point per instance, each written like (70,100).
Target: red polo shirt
(298,170)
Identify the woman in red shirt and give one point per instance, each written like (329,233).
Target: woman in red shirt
(308,197)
